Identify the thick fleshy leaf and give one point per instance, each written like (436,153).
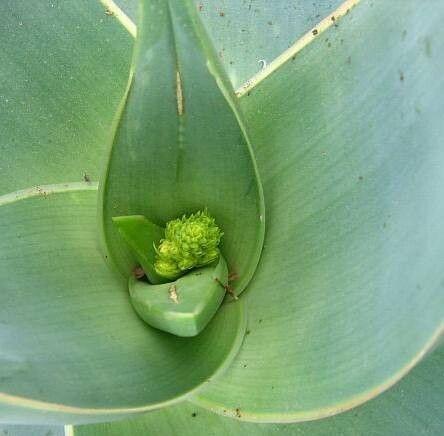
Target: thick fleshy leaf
(142,236)
(247,35)
(179,146)
(411,408)
(63,70)
(349,290)
(183,307)
(71,346)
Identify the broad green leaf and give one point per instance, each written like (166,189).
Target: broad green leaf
(72,349)
(411,408)
(63,70)
(349,290)
(249,34)
(185,306)
(179,146)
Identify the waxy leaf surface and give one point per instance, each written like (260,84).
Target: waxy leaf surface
(411,408)
(349,292)
(63,71)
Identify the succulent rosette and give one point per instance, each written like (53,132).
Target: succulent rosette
(234,229)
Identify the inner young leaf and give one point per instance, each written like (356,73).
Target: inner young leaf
(180,143)
(185,306)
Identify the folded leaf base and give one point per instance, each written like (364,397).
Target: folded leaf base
(183,307)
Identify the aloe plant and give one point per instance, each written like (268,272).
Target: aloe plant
(332,149)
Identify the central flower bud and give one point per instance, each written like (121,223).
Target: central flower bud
(190,242)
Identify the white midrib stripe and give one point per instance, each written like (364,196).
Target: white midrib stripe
(121,16)
(303,41)
(45,190)
(280,60)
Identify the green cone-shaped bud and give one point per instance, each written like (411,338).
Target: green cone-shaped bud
(189,242)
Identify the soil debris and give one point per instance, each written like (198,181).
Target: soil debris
(138,272)
(227,288)
(233,276)
(173,294)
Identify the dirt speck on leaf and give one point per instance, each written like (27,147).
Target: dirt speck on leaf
(233,276)
(428,47)
(173,294)
(41,191)
(138,272)
(227,288)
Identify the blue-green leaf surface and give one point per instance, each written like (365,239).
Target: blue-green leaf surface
(350,289)
(63,70)
(412,408)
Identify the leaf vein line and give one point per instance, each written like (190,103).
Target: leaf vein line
(45,190)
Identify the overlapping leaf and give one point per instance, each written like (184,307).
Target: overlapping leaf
(412,408)
(248,35)
(349,291)
(70,342)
